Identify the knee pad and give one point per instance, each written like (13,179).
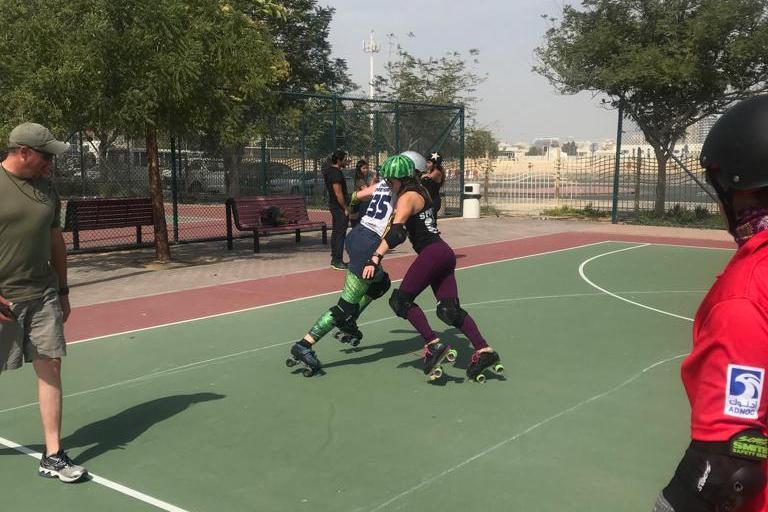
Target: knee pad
(450,312)
(344,313)
(380,287)
(400,302)
(713,481)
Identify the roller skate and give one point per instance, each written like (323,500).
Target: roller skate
(480,362)
(434,355)
(350,334)
(306,356)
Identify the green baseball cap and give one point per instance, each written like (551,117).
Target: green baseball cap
(37,137)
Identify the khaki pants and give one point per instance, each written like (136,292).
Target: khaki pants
(36,333)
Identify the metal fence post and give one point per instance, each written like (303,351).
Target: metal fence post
(461,162)
(174,191)
(82,163)
(397,127)
(333,127)
(264,164)
(617,165)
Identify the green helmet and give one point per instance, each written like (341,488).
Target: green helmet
(397,166)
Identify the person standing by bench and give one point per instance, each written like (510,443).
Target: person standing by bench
(34,301)
(336,185)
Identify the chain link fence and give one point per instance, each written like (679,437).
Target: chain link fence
(198,174)
(530,185)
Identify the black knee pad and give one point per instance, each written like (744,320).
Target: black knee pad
(344,313)
(400,302)
(713,481)
(450,312)
(380,287)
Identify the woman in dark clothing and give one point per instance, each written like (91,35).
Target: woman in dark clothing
(433,180)
(434,266)
(362,180)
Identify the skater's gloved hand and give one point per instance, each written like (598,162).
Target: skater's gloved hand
(369,270)
(371,266)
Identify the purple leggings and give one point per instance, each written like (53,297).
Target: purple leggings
(435,266)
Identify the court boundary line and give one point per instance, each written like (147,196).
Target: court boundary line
(253,308)
(579,405)
(316,269)
(172,508)
(115,486)
(584,277)
(528,430)
(207,362)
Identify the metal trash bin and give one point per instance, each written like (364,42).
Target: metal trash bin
(471,202)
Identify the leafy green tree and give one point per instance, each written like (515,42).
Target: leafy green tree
(302,35)
(447,80)
(481,143)
(140,67)
(570,149)
(669,62)
(535,151)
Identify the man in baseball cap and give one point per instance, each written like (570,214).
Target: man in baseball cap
(37,137)
(34,296)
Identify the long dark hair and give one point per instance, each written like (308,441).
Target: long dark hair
(359,176)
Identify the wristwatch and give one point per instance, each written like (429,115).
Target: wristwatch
(63,290)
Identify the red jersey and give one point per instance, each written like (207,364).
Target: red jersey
(725,374)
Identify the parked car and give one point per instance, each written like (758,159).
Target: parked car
(285,180)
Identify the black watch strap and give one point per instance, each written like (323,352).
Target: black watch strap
(63,290)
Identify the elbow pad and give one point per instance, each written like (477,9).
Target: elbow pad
(395,236)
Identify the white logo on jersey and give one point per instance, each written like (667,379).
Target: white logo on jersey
(744,389)
(380,209)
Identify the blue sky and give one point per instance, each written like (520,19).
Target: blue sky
(517,104)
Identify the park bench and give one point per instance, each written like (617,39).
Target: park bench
(252,214)
(91,213)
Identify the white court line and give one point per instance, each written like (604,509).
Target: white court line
(563,412)
(312,297)
(524,432)
(207,362)
(172,508)
(597,287)
(103,481)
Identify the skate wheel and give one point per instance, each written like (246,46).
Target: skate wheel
(290,363)
(480,379)
(308,372)
(355,342)
(499,368)
(452,355)
(435,374)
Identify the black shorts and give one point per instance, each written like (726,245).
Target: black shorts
(361,244)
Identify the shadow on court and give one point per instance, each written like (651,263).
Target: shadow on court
(414,346)
(124,427)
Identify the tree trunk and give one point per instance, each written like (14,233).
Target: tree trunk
(162,249)
(661,183)
(233,158)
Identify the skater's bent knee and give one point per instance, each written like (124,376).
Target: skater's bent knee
(400,302)
(450,312)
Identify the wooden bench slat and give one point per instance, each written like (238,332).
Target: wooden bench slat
(246,213)
(85,214)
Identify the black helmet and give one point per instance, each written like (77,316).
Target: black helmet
(435,158)
(735,153)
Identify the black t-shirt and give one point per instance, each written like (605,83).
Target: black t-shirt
(433,188)
(421,226)
(333,175)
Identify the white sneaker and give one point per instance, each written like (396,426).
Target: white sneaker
(60,466)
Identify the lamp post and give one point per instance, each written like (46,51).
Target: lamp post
(370,47)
